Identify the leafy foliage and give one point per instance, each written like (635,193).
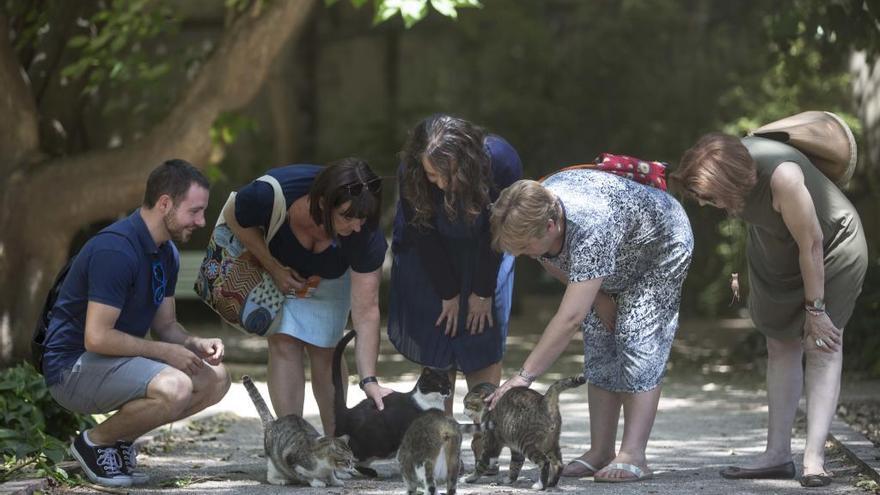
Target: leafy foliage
(35,429)
(113,52)
(861,339)
(413,11)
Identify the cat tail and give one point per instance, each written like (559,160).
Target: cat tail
(551,398)
(339,408)
(262,408)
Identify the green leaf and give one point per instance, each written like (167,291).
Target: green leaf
(78,41)
(445,7)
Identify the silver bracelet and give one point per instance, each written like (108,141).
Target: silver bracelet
(525,375)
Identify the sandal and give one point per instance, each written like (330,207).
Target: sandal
(578,468)
(639,473)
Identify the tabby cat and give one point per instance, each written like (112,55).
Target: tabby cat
(523,420)
(375,434)
(295,452)
(430,453)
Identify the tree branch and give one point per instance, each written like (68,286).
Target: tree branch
(231,77)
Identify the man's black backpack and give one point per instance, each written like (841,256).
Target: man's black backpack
(38,341)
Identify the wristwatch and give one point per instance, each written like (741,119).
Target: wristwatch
(815,306)
(370,379)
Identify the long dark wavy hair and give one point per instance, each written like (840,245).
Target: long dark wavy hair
(455,148)
(335,185)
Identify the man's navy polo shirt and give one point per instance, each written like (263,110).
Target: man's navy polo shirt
(115,268)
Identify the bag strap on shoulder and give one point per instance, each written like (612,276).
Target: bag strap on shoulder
(279,208)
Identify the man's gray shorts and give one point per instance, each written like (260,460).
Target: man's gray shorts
(99,384)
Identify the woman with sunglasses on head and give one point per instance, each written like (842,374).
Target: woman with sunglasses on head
(450,292)
(807,259)
(332,239)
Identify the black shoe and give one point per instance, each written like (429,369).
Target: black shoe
(129,463)
(784,471)
(102,464)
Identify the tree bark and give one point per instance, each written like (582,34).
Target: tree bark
(44,203)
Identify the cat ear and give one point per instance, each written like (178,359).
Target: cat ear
(344,438)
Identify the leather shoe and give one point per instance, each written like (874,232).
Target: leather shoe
(815,480)
(780,472)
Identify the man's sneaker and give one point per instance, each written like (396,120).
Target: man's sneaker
(102,464)
(129,463)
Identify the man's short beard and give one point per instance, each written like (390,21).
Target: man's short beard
(174,230)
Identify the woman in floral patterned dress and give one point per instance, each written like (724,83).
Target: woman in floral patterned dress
(623,250)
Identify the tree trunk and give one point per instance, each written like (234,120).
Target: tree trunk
(44,203)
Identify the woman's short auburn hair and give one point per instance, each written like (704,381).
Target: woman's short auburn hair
(718,167)
(520,215)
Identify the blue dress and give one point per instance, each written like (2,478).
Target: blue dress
(466,264)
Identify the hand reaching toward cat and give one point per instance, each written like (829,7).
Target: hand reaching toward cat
(515,381)
(376,392)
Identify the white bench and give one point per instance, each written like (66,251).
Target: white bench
(190,262)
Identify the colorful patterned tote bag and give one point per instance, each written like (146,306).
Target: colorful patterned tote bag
(231,280)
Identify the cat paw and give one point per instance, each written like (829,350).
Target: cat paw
(277,481)
(316,483)
(343,475)
(538,485)
(472,478)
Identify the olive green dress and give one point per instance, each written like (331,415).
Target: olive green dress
(776,298)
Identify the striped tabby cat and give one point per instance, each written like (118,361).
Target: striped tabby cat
(430,452)
(295,452)
(523,420)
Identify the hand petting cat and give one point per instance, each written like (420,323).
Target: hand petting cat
(514,381)
(376,392)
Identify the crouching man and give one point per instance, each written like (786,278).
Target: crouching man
(120,286)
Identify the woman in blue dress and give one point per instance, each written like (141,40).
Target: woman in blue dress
(331,233)
(450,292)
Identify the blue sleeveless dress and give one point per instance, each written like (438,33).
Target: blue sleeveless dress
(415,302)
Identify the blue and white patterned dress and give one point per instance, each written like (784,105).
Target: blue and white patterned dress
(638,240)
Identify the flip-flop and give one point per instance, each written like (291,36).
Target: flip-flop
(578,468)
(640,474)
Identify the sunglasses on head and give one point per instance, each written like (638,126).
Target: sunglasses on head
(356,188)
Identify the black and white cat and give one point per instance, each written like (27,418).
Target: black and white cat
(296,452)
(375,434)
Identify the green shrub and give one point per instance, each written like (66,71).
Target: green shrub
(34,429)
(861,339)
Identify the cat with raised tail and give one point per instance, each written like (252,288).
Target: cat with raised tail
(296,452)
(375,434)
(525,421)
